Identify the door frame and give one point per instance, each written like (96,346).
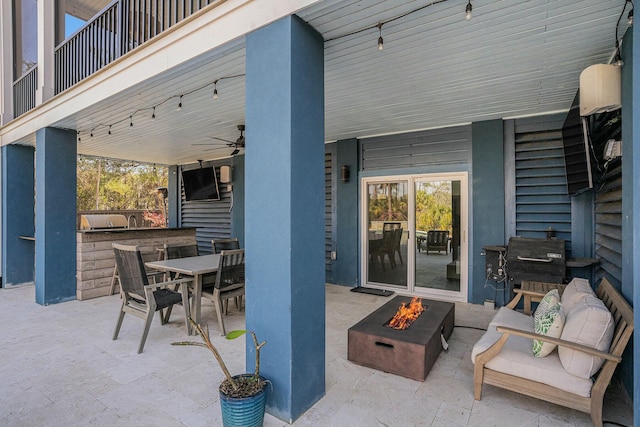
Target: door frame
(463,176)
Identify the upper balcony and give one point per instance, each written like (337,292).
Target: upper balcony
(117,29)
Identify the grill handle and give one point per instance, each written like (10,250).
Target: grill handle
(522,258)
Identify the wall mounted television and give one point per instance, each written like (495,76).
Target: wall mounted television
(575,141)
(200,184)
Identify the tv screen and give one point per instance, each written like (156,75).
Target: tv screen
(575,141)
(200,184)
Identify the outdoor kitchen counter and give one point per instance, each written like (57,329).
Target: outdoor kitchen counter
(94,253)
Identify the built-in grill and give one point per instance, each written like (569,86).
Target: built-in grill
(540,260)
(410,352)
(102,221)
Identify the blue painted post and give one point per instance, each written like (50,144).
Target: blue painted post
(631,199)
(18,254)
(55,262)
(237,212)
(173,201)
(487,215)
(347,265)
(284,211)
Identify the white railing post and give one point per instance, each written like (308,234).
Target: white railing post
(46,46)
(6,61)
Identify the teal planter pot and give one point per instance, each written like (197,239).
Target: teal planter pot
(243,411)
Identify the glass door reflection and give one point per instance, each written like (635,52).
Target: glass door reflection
(387,213)
(437,224)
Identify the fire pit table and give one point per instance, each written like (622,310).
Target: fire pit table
(410,352)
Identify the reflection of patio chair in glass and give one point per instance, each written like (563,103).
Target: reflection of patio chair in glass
(391,226)
(397,238)
(438,240)
(386,247)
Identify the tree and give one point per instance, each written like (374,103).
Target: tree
(105,184)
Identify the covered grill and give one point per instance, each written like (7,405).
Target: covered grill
(540,260)
(103,221)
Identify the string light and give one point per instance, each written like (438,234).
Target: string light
(617,57)
(381,23)
(468,10)
(164,101)
(91,134)
(215,90)
(630,17)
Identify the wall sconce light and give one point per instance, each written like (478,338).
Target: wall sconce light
(344,173)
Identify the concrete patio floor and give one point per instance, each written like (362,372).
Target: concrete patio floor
(60,367)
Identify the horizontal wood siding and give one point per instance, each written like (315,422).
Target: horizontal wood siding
(328,217)
(541,184)
(446,146)
(211,218)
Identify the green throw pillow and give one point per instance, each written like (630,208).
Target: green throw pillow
(549,323)
(549,300)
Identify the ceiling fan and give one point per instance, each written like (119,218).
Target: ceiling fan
(237,144)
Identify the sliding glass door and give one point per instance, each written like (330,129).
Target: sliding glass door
(414,231)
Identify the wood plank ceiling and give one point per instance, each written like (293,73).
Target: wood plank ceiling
(512,59)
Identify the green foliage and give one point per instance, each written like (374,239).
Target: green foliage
(388,202)
(105,184)
(433,206)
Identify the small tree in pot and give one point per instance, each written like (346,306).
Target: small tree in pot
(242,397)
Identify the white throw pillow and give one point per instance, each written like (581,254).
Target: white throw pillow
(574,292)
(550,324)
(549,300)
(589,323)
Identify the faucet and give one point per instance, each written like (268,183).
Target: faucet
(135,221)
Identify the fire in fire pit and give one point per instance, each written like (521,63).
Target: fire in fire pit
(406,314)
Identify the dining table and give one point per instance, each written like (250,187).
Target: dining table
(196,267)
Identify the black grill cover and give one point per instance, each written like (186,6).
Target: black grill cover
(540,260)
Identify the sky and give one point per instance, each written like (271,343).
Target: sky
(71,25)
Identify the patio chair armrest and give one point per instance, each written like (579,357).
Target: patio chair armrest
(154,286)
(560,343)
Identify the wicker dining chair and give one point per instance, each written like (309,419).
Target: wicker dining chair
(220,245)
(229,282)
(141,298)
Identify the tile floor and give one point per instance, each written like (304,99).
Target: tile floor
(61,368)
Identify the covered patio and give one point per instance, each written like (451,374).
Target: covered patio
(63,369)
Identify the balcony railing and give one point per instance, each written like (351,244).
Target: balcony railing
(119,28)
(24,92)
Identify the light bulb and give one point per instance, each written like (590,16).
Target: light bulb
(179,104)
(630,17)
(131,121)
(153,115)
(468,10)
(380,43)
(109,129)
(215,93)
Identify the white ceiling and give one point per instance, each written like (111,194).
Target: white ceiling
(513,58)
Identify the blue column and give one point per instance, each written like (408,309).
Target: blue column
(18,254)
(347,265)
(630,201)
(237,212)
(487,214)
(284,211)
(55,263)
(173,202)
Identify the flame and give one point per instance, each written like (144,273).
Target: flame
(406,314)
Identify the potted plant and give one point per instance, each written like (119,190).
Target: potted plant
(242,397)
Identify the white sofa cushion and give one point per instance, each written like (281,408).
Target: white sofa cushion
(574,292)
(589,323)
(516,357)
(549,323)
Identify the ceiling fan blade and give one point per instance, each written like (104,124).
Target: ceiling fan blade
(221,139)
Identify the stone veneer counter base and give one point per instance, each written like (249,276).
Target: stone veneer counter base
(95,260)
